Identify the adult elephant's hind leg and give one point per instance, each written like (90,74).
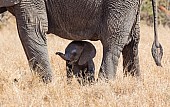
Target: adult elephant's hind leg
(130,54)
(32,24)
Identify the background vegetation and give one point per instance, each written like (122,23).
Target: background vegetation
(147,14)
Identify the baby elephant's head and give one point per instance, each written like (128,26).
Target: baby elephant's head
(78,52)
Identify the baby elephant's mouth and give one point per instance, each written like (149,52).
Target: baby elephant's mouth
(71,62)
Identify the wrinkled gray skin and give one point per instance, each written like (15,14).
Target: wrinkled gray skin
(114,22)
(79,61)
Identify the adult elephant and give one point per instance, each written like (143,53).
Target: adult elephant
(114,22)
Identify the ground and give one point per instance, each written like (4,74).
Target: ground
(20,87)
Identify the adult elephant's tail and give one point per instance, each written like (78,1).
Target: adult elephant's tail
(157,50)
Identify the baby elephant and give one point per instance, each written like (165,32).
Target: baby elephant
(79,61)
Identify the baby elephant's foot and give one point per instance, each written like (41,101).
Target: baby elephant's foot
(90,78)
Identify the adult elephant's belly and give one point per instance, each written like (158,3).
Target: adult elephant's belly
(75,20)
(77,34)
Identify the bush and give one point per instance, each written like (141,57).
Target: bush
(147,14)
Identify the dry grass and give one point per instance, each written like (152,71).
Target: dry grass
(19,87)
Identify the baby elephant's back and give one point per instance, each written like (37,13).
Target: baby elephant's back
(87,46)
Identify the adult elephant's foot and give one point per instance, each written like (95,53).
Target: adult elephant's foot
(107,71)
(42,68)
(47,78)
(109,63)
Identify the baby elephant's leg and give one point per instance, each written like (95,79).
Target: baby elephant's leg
(91,71)
(69,72)
(78,73)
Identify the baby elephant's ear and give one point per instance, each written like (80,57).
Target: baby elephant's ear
(87,54)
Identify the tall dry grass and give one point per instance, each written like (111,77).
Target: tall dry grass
(19,87)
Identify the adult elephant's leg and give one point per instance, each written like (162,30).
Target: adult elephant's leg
(111,54)
(32,25)
(112,47)
(119,23)
(130,52)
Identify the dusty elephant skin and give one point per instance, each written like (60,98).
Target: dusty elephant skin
(5,3)
(114,22)
(79,61)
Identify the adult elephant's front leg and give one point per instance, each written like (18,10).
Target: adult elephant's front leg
(31,20)
(111,54)
(116,31)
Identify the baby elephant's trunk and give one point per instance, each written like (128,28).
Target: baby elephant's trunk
(62,56)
